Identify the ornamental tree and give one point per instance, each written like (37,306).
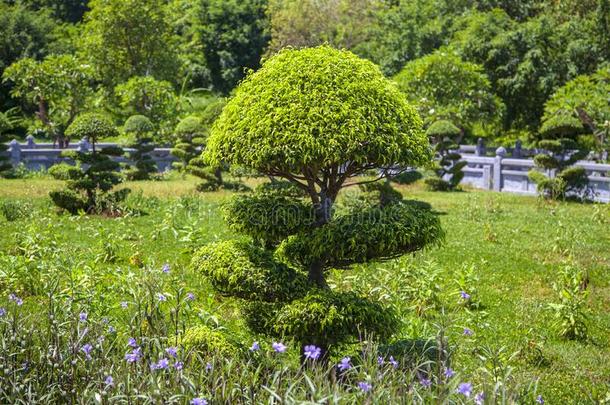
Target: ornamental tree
(89,187)
(321,119)
(141,127)
(448,167)
(559,177)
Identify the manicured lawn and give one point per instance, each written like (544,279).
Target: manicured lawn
(505,251)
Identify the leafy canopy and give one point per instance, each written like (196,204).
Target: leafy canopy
(445,87)
(307,112)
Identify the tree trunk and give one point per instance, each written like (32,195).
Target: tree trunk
(323,212)
(218,174)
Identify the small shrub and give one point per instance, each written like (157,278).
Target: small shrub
(15,210)
(570,312)
(64,171)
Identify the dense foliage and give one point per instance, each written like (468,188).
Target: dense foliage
(509,56)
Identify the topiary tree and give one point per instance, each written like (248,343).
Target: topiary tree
(88,189)
(318,118)
(189,135)
(142,128)
(448,167)
(562,179)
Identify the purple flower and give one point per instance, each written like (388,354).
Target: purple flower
(279,347)
(161,364)
(539,399)
(172,351)
(479,399)
(178,365)
(87,350)
(448,373)
(132,342)
(111,329)
(124,304)
(465,389)
(255,347)
(82,317)
(393,362)
(425,382)
(2,312)
(468,332)
(165,268)
(199,401)
(190,296)
(465,296)
(364,386)
(345,364)
(208,367)
(379,360)
(312,352)
(109,381)
(134,356)
(161,297)
(15,299)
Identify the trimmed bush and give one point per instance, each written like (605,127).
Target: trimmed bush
(268,218)
(318,118)
(208,342)
(245,271)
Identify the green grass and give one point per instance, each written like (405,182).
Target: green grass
(506,249)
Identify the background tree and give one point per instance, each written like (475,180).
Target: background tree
(144,165)
(448,167)
(23,34)
(584,98)
(58,87)
(526,62)
(70,11)
(7,122)
(443,86)
(234,34)
(152,98)
(318,118)
(306,23)
(88,189)
(126,38)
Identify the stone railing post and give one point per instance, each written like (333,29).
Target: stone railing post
(15,151)
(30,142)
(480,149)
(517,151)
(497,181)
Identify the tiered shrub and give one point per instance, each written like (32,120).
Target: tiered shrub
(88,189)
(560,179)
(144,165)
(447,166)
(319,119)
